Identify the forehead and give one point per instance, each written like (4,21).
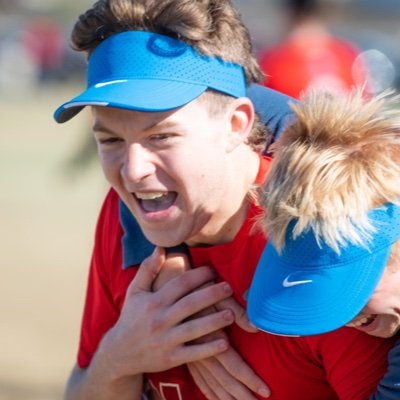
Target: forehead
(111,116)
(108,118)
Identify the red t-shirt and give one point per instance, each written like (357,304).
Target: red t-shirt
(344,364)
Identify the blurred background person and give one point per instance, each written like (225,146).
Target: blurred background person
(44,41)
(310,55)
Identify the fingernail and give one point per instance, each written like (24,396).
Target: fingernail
(264,392)
(227,288)
(222,344)
(227,314)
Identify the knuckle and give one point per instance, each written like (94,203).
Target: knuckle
(195,277)
(186,280)
(156,324)
(171,359)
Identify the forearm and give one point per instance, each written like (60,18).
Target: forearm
(91,383)
(101,381)
(153,333)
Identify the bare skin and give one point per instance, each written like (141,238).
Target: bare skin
(156,321)
(225,376)
(381,316)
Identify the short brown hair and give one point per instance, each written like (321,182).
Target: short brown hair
(213,27)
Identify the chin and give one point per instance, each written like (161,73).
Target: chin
(162,240)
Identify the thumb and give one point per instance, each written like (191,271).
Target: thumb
(148,271)
(241,317)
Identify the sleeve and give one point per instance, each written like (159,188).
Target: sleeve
(389,386)
(354,362)
(101,310)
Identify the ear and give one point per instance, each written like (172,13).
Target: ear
(241,120)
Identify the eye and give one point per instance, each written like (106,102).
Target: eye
(109,140)
(161,137)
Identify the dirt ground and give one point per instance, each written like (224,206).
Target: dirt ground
(47,218)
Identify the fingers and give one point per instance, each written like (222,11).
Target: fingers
(206,382)
(241,317)
(185,283)
(231,365)
(147,272)
(195,328)
(200,381)
(215,381)
(199,300)
(175,265)
(194,352)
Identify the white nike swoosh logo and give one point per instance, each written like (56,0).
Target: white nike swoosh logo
(101,84)
(287,283)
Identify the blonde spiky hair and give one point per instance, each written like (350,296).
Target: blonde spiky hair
(340,159)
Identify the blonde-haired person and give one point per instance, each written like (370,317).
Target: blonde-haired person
(180,145)
(332,212)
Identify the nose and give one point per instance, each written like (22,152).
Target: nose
(138,164)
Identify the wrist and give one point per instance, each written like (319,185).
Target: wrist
(110,381)
(112,357)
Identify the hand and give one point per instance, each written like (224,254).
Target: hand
(178,263)
(239,313)
(175,265)
(153,332)
(227,376)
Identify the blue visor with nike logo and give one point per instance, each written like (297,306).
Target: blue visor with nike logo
(310,289)
(146,71)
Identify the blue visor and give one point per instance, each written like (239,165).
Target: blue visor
(145,71)
(310,289)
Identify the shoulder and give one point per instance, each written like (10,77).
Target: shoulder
(109,213)
(110,206)
(108,230)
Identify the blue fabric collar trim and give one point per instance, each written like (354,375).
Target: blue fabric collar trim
(135,246)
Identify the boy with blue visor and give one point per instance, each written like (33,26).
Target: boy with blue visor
(332,212)
(182,152)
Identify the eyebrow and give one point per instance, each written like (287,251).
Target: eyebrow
(99,127)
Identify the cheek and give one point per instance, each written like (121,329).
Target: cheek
(111,164)
(386,295)
(378,300)
(383,300)
(375,305)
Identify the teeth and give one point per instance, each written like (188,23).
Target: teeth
(359,322)
(150,196)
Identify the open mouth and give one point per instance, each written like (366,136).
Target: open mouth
(155,201)
(362,321)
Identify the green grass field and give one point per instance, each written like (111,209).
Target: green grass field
(47,219)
